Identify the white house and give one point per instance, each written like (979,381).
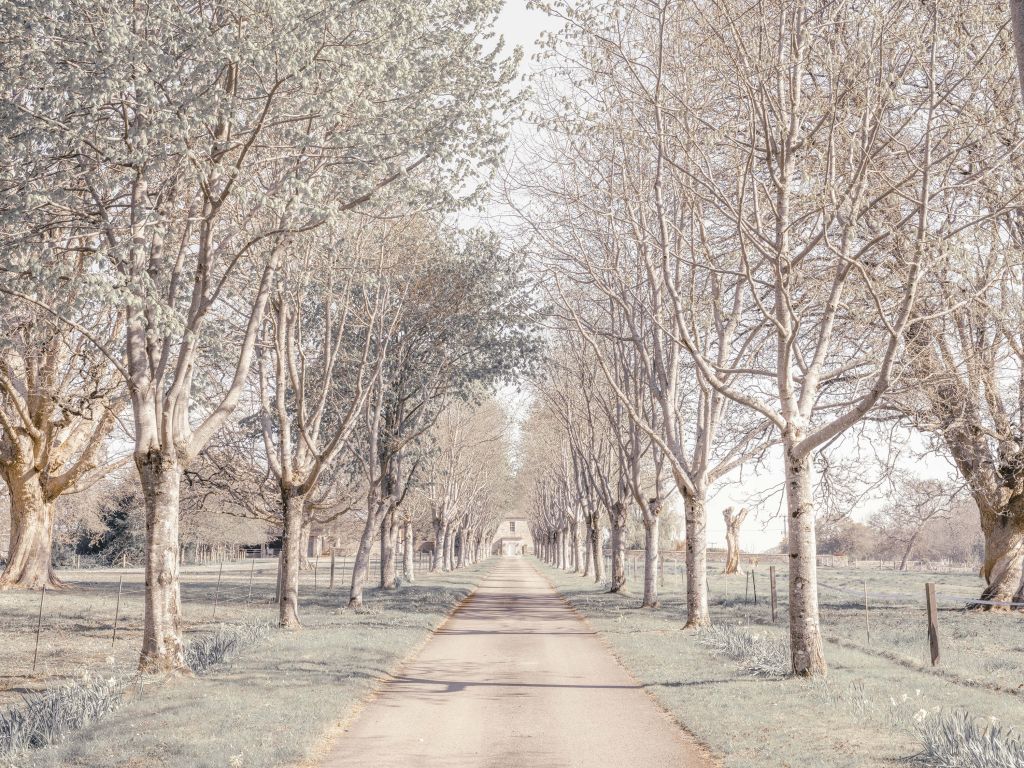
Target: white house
(512,537)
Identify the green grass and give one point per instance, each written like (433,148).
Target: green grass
(867,713)
(274,704)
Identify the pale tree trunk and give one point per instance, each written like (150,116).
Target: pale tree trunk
(618,523)
(388,559)
(438,553)
(307,531)
(651,558)
(574,535)
(361,563)
(586,552)
(595,552)
(409,559)
(291,558)
(1017,24)
(560,549)
(449,549)
(695,510)
(733,521)
(162,647)
(806,649)
(30,555)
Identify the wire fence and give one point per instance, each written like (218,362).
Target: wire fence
(97,620)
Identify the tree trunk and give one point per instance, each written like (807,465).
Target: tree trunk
(292,550)
(408,561)
(733,521)
(449,548)
(574,536)
(697,614)
(618,521)
(162,647)
(388,559)
(1017,25)
(304,534)
(361,563)
(438,553)
(652,524)
(30,555)
(595,551)
(586,552)
(1003,567)
(807,653)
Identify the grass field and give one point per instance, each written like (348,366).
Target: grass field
(878,693)
(272,705)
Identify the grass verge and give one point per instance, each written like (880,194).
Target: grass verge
(273,704)
(724,688)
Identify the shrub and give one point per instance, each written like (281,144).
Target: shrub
(759,655)
(45,718)
(958,740)
(207,650)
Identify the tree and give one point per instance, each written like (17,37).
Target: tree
(211,136)
(468,323)
(58,403)
(733,520)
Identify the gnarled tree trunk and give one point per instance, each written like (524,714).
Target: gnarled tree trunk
(30,556)
(733,521)
(595,551)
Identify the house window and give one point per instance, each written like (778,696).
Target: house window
(511,526)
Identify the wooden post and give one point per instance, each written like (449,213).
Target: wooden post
(124,559)
(332,570)
(252,570)
(933,622)
(753,583)
(867,623)
(117,609)
(216,594)
(775,598)
(746,587)
(39,627)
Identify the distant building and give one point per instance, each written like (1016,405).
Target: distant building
(512,538)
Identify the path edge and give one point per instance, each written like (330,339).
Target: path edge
(704,750)
(326,743)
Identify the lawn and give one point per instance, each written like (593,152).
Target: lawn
(869,710)
(275,704)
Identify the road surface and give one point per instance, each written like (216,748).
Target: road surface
(514,678)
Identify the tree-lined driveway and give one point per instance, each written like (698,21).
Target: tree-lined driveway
(514,678)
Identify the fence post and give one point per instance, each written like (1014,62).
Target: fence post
(216,594)
(775,603)
(933,622)
(867,622)
(332,570)
(252,569)
(117,608)
(753,582)
(39,627)
(746,587)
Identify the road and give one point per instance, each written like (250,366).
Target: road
(514,678)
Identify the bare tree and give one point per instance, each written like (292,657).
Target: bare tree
(733,520)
